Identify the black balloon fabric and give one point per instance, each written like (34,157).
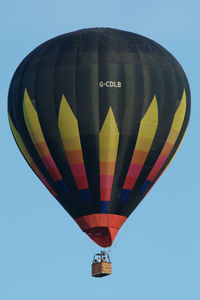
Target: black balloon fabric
(98,114)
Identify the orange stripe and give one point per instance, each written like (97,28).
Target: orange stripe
(107,168)
(167,149)
(100,220)
(42,148)
(75,156)
(139,157)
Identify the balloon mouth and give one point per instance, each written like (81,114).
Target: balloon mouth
(101,228)
(102,236)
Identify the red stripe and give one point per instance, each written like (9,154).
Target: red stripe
(129,183)
(105,194)
(81,182)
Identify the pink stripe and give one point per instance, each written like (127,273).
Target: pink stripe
(158,165)
(153,174)
(51,167)
(106,181)
(78,170)
(134,170)
(160,162)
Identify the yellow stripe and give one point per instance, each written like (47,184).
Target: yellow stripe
(31,119)
(172,136)
(148,127)
(20,142)
(109,138)
(178,145)
(142,144)
(178,120)
(71,144)
(67,121)
(108,155)
(179,113)
(107,142)
(68,127)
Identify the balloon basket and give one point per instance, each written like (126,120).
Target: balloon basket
(101,269)
(101,265)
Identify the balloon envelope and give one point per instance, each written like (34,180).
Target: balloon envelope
(98,114)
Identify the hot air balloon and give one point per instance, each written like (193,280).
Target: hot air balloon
(98,114)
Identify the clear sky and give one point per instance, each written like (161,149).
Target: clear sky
(43,254)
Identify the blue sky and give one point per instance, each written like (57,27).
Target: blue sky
(43,254)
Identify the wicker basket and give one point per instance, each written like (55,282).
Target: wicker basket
(101,269)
